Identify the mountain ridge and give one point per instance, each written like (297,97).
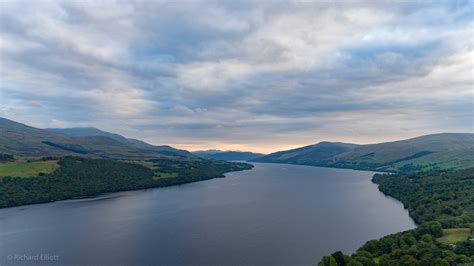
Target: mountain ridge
(92,131)
(433,151)
(23,140)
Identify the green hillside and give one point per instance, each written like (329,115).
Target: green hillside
(457,159)
(92,132)
(22,140)
(437,151)
(308,154)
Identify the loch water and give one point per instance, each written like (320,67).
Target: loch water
(274,214)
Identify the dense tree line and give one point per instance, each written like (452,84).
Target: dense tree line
(80,177)
(197,167)
(445,196)
(435,200)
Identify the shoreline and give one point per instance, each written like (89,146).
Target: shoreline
(125,190)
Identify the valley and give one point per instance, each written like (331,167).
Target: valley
(431,175)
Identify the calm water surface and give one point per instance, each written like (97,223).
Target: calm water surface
(272,215)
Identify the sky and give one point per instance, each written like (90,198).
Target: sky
(240,75)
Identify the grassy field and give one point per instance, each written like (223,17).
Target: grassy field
(454,235)
(159,175)
(27,169)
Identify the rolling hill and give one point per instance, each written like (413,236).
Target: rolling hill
(22,140)
(92,132)
(437,151)
(307,154)
(228,155)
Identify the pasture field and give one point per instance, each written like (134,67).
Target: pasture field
(454,235)
(27,169)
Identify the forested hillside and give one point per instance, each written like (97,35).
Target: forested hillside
(38,165)
(22,140)
(80,177)
(442,203)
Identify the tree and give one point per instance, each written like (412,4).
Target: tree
(408,260)
(339,257)
(436,229)
(441,262)
(327,261)
(427,238)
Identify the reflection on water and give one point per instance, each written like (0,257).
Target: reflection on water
(271,215)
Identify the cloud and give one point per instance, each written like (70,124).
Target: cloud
(254,75)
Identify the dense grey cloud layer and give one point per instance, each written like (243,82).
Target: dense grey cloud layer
(258,75)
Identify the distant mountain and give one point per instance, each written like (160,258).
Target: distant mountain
(307,154)
(207,152)
(437,151)
(22,140)
(228,155)
(91,131)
